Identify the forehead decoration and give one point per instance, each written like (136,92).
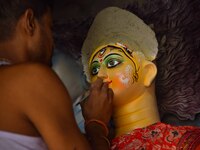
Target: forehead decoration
(101,51)
(116,25)
(126,48)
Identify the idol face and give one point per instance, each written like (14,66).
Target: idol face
(116,67)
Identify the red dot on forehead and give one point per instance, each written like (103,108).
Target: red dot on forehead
(100,60)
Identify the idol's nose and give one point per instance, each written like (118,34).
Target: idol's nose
(102,72)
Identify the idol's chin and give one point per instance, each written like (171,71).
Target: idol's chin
(127,95)
(120,98)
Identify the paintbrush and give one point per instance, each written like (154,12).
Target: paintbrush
(82,97)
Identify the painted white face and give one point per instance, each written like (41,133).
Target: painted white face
(116,67)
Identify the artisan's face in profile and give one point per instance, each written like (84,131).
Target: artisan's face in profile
(41,46)
(115,66)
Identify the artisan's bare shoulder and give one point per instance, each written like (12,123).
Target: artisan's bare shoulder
(25,71)
(27,74)
(30,80)
(20,89)
(22,84)
(37,91)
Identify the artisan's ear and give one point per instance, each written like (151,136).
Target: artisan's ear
(149,72)
(29,23)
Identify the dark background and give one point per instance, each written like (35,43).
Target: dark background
(65,10)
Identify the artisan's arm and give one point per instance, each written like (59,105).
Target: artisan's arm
(46,103)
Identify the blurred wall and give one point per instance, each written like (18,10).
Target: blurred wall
(65,10)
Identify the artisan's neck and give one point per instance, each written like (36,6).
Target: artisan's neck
(14,50)
(139,113)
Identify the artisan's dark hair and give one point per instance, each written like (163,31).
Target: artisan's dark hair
(11,11)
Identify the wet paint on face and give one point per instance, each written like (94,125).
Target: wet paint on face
(116,66)
(123,79)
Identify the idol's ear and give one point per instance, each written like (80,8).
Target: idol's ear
(149,71)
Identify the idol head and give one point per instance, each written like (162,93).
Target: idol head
(120,48)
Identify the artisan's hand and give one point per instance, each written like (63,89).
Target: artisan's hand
(99,104)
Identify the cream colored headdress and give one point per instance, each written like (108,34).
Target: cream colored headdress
(114,25)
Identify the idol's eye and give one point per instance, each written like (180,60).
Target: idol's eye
(113,62)
(95,69)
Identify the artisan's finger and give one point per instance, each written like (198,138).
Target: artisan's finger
(105,87)
(97,84)
(110,95)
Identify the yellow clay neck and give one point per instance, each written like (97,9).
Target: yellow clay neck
(139,113)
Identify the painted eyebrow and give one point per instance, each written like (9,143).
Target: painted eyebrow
(107,57)
(112,54)
(95,62)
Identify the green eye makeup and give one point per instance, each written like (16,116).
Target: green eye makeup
(95,68)
(113,60)
(110,61)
